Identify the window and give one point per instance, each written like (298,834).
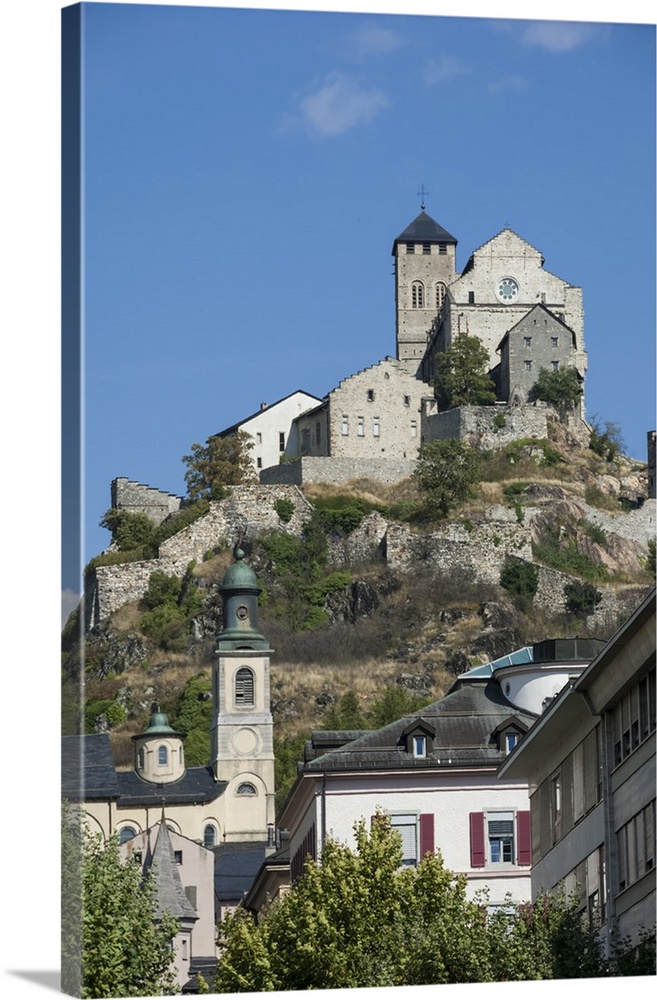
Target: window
(244,684)
(419,746)
(407,400)
(305,441)
(471,298)
(556,808)
(258,437)
(178,857)
(141,760)
(246,788)
(441,291)
(510,741)
(442,248)
(528,341)
(370,395)
(555,366)
(345,424)
(406,827)
(528,366)
(410,248)
(634,717)
(426,248)
(413,428)
(281,441)
(162,755)
(417,295)
(318,433)
(126,833)
(361,426)
(259,463)
(501,848)
(375,427)
(555,341)
(209,836)
(636,847)
(498,838)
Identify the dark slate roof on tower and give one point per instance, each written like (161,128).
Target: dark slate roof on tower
(424,229)
(170,896)
(88,768)
(464,721)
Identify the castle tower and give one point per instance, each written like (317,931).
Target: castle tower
(159,755)
(242,745)
(425,266)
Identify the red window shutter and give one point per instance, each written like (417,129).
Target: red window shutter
(477,845)
(524,838)
(427,843)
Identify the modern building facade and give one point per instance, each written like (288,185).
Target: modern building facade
(589,762)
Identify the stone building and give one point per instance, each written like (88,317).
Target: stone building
(539,340)
(272,428)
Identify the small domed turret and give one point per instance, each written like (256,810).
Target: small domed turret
(240,591)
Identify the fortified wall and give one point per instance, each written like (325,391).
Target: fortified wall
(487,427)
(135,498)
(249,511)
(337,471)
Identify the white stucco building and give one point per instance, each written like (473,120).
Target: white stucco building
(272,428)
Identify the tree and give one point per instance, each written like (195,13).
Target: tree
(218,463)
(445,473)
(359,919)
(130,530)
(520,578)
(581,598)
(113,945)
(346,714)
(462,377)
(562,388)
(393,703)
(606,440)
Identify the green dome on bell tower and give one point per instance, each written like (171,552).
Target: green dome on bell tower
(240,592)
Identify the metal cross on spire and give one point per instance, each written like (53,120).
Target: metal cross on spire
(422,194)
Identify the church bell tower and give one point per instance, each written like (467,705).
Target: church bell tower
(425,266)
(242,746)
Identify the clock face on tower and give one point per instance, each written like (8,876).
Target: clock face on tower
(507,290)
(242,612)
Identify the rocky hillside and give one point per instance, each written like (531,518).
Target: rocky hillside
(362,595)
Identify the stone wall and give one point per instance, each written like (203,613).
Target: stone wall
(337,471)
(475,425)
(248,511)
(136,498)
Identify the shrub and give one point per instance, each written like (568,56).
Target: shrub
(594,532)
(284,508)
(499,421)
(520,578)
(607,443)
(512,490)
(595,497)
(581,598)
(445,473)
(130,531)
(563,555)
(562,389)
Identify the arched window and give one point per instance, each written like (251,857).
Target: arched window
(162,755)
(126,833)
(246,788)
(441,291)
(417,295)
(141,760)
(209,836)
(244,685)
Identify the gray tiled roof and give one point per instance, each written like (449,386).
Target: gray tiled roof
(424,229)
(196,785)
(88,768)
(170,895)
(464,722)
(235,867)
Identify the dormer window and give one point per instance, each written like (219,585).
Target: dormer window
(419,746)
(417,738)
(508,734)
(510,741)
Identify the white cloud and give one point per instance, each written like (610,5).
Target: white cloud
(560,36)
(507,83)
(442,69)
(340,104)
(372,40)
(70,601)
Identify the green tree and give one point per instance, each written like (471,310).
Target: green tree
(462,377)
(606,439)
(129,530)
(346,714)
(561,388)
(520,578)
(393,703)
(122,949)
(360,919)
(218,463)
(581,598)
(445,473)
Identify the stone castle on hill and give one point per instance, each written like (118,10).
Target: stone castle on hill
(373,423)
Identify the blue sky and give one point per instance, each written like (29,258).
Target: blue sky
(246,172)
